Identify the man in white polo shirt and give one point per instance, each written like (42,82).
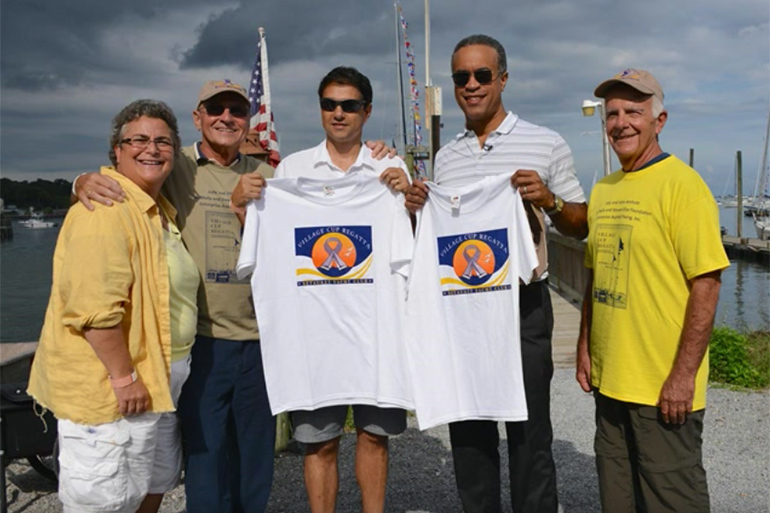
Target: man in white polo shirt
(345,97)
(542,168)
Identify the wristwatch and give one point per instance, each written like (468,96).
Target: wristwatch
(558,204)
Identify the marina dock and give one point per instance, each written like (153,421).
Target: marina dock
(750,249)
(566,327)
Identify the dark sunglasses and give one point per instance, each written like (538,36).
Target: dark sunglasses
(330,105)
(483,76)
(217,109)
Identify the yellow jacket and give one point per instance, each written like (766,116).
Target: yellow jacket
(109,267)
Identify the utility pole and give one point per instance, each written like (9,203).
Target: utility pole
(432,98)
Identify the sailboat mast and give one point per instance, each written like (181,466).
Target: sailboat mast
(400,78)
(761,183)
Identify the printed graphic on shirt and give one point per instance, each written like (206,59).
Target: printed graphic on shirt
(333,255)
(474,262)
(223,243)
(613,245)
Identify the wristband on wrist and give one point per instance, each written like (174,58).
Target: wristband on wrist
(76,181)
(237,210)
(125,380)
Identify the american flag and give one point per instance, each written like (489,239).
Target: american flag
(262,124)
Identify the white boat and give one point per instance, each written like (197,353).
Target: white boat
(762,224)
(759,208)
(37,222)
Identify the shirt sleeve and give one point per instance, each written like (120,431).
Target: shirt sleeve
(96,268)
(525,246)
(563,180)
(247,258)
(697,238)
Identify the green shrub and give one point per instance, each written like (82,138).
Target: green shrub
(739,359)
(350,425)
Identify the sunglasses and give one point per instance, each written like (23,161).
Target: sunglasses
(217,109)
(483,76)
(329,105)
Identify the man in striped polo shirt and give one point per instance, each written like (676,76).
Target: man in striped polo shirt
(541,166)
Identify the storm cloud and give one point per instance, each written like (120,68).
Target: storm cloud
(67,67)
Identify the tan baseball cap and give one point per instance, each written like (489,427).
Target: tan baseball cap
(215,87)
(639,79)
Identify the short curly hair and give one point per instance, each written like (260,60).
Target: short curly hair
(152,109)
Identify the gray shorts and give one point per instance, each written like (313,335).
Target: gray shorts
(323,424)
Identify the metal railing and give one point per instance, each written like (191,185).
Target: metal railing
(565,265)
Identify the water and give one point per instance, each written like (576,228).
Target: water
(25,283)
(744,301)
(727,219)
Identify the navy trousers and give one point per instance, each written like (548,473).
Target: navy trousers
(227,427)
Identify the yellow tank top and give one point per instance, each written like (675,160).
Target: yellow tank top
(183,281)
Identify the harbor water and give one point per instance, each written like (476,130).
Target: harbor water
(25,283)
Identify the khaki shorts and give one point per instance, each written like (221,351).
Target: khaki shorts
(111,467)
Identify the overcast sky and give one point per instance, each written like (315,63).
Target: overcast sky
(67,67)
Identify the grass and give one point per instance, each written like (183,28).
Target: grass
(740,359)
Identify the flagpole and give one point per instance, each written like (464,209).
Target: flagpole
(432,98)
(427,46)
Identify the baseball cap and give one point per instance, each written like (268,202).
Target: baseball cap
(639,79)
(215,87)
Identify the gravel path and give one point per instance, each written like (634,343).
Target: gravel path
(736,456)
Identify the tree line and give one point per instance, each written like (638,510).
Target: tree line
(43,195)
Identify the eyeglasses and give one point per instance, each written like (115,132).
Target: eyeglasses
(217,109)
(141,142)
(483,76)
(349,106)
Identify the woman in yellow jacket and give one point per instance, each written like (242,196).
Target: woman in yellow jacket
(114,350)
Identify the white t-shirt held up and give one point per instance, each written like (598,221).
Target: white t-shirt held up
(473,246)
(330,260)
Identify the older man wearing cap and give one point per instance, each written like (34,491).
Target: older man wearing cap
(656,256)
(228,428)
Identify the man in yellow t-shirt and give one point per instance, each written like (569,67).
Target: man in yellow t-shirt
(656,255)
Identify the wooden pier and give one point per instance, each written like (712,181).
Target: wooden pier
(15,359)
(753,250)
(566,327)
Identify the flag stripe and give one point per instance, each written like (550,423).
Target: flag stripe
(261,117)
